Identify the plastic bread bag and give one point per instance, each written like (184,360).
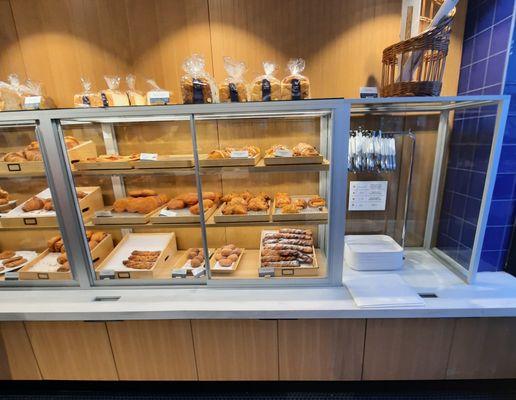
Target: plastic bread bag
(11,94)
(157,95)
(197,86)
(87,98)
(266,87)
(136,98)
(295,86)
(233,89)
(113,96)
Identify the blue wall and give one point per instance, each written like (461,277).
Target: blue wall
(484,60)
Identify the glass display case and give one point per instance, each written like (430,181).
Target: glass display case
(256,194)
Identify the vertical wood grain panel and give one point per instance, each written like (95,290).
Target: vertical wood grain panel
(11,60)
(407,349)
(19,362)
(321,349)
(236,349)
(153,350)
(72,350)
(483,348)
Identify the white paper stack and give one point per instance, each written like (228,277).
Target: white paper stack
(382,291)
(372,253)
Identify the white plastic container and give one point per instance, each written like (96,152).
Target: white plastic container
(372,253)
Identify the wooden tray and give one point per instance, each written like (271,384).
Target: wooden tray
(307,214)
(251,216)
(81,151)
(102,165)
(184,216)
(274,160)
(302,270)
(164,242)
(99,253)
(217,269)
(228,162)
(166,161)
(18,218)
(182,261)
(123,218)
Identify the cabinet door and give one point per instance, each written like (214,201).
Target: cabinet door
(72,350)
(321,349)
(236,349)
(407,348)
(17,360)
(483,348)
(153,350)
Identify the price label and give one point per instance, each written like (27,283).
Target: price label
(103,213)
(168,213)
(198,272)
(32,102)
(158,97)
(283,153)
(240,154)
(148,157)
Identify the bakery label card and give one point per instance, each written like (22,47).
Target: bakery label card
(148,157)
(103,213)
(167,213)
(239,154)
(367,195)
(158,97)
(32,102)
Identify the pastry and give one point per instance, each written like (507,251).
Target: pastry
(257,204)
(282,199)
(300,203)
(11,259)
(266,87)
(295,86)
(232,92)
(138,264)
(33,204)
(291,263)
(140,205)
(33,155)
(206,205)
(120,205)
(63,258)
(271,152)
(237,209)
(190,199)
(3,202)
(176,204)
(97,236)
(7,254)
(252,150)
(64,267)
(15,262)
(70,142)
(296,231)
(290,209)
(304,150)
(81,195)
(48,206)
(233,257)
(316,202)
(142,193)
(51,243)
(226,262)
(14,157)
(218,154)
(145,253)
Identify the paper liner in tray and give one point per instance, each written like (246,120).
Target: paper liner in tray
(306,214)
(28,255)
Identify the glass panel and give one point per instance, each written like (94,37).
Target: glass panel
(32,251)
(140,232)
(271,222)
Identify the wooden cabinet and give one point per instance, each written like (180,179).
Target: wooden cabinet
(407,349)
(72,350)
(153,350)
(236,349)
(321,349)
(483,348)
(17,359)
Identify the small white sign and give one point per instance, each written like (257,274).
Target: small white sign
(368,92)
(240,154)
(283,153)
(148,157)
(367,195)
(32,102)
(168,213)
(158,96)
(103,213)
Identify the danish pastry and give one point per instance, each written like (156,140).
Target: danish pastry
(33,204)
(316,202)
(14,157)
(304,150)
(7,254)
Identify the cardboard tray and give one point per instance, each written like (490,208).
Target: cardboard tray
(123,218)
(80,152)
(28,255)
(164,242)
(184,216)
(307,214)
(274,160)
(251,216)
(302,270)
(18,218)
(28,272)
(166,161)
(218,269)
(228,162)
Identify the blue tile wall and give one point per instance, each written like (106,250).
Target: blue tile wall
(485,51)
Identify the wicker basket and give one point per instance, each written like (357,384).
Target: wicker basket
(431,48)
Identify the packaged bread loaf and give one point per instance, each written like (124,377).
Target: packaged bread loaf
(87,98)
(295,86)
(157,96)
(136,98)
(233,89)
(34,97)
(11,94)
(266,87)
(113,96)
(197,86)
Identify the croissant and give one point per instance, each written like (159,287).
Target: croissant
(304,150)
(33,155)
(34,203)
(176,204)
(70,142)
(218,154)
(3,194)
(15,157)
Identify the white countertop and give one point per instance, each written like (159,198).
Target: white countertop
(493,295)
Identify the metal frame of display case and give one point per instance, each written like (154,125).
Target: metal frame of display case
(60,177)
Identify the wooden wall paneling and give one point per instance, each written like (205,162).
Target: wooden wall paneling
(11,60)
(236,349)
(72,350)
(483,348)
(407,349)
(153,350)
(17,359)
(329,349)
